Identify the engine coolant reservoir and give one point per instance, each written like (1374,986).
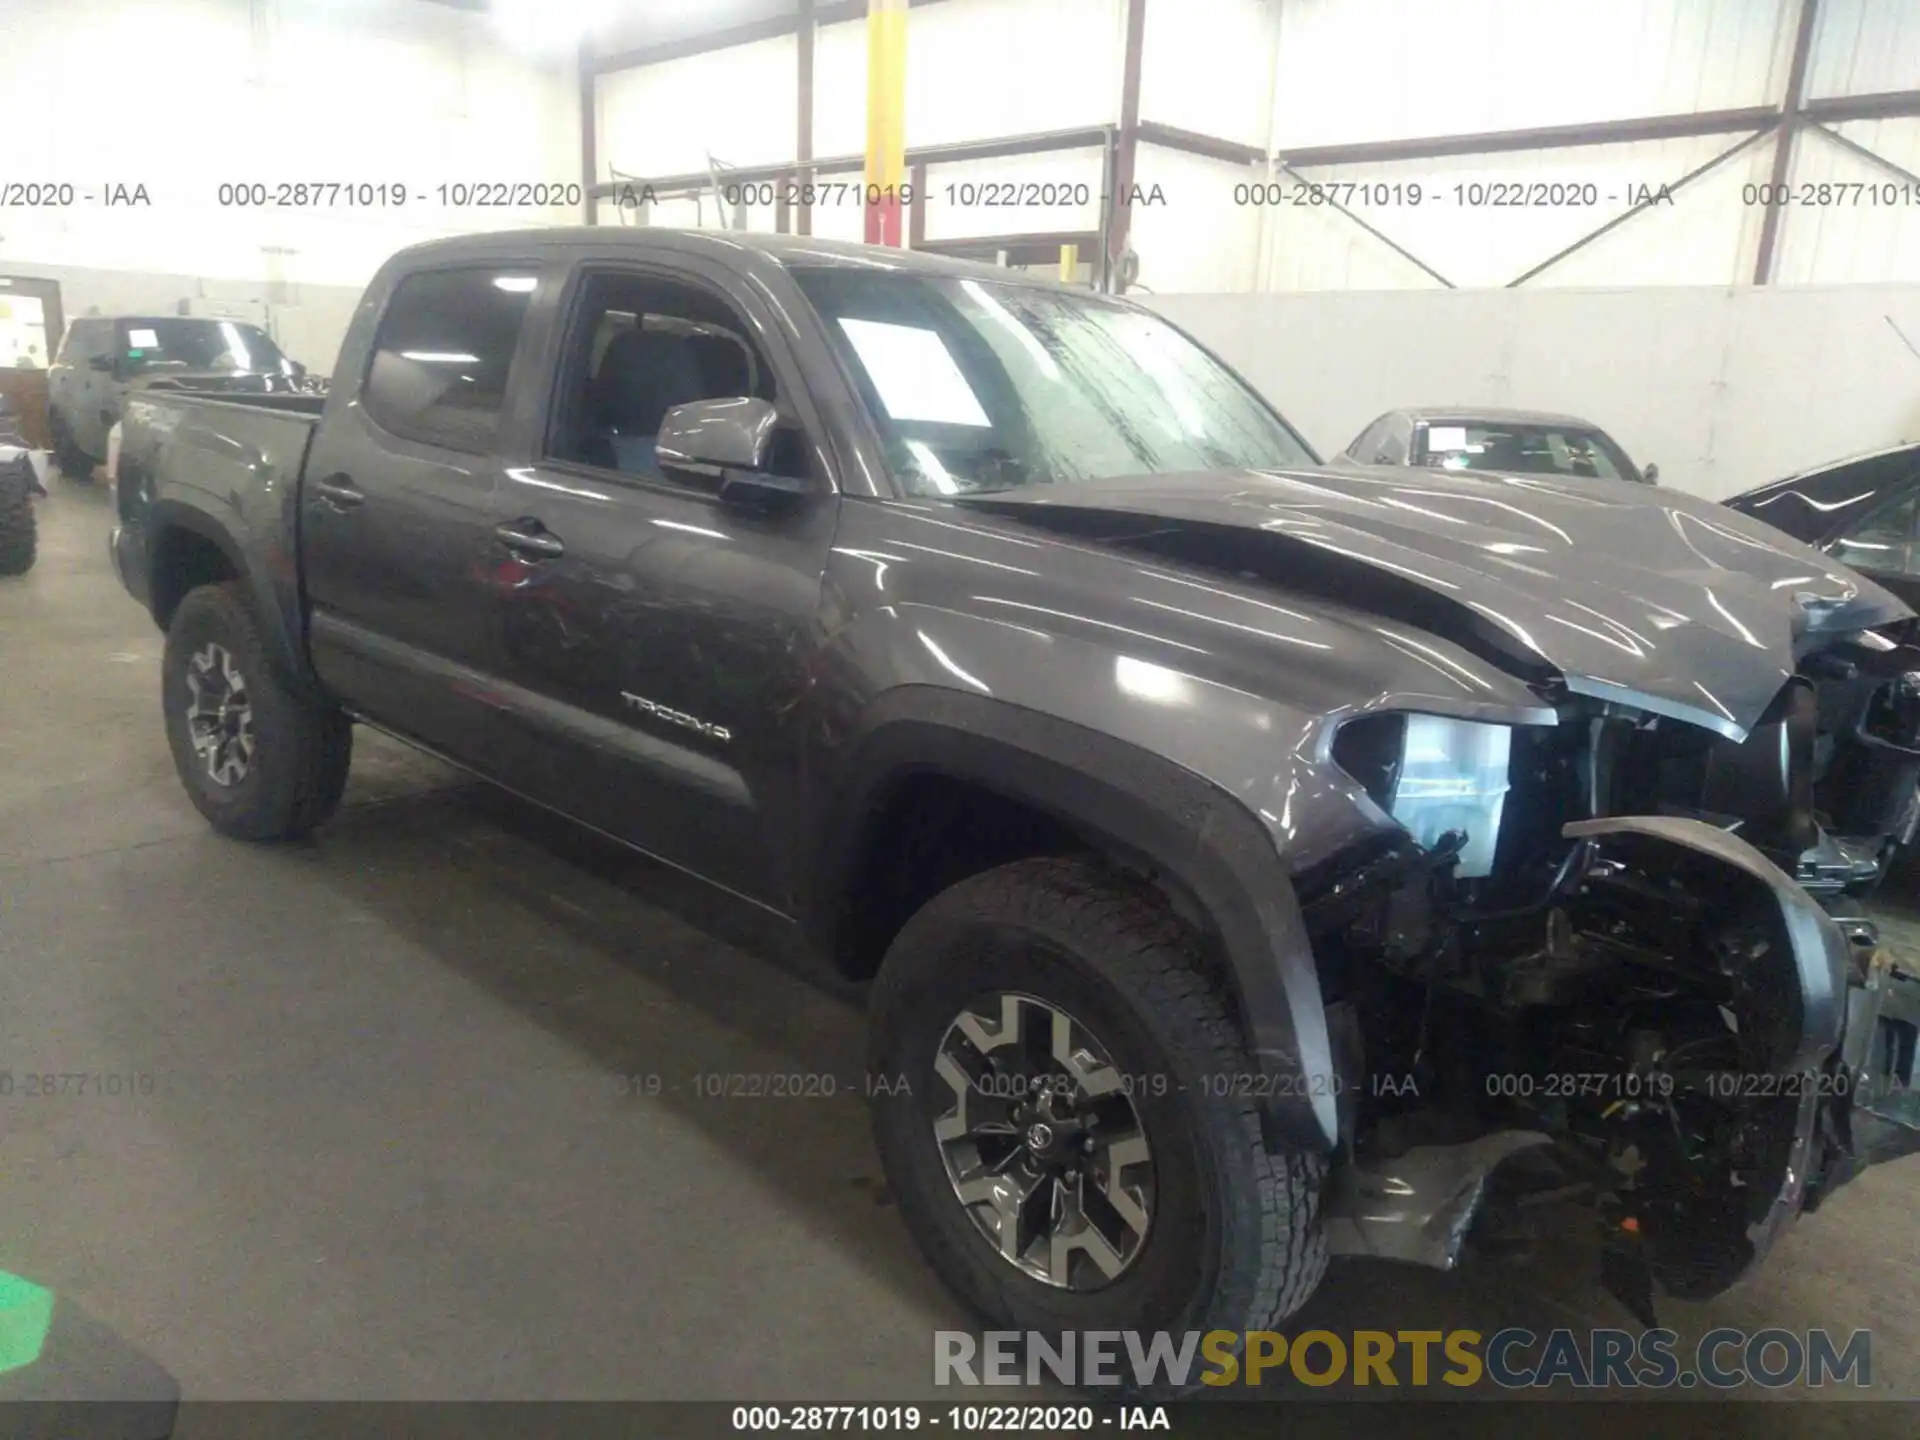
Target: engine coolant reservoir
(1453,776)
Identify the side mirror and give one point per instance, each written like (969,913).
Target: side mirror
(726,441)
(1651,474)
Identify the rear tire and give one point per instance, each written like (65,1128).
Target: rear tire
(259,761)
(1232,1240)
(19,526)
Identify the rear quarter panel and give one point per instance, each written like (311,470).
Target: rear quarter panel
(229,473)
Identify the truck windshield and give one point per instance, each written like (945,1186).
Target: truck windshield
(166,343)
(978,385)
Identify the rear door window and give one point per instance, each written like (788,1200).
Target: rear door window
(443,352)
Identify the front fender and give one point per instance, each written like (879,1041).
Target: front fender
(1138,806)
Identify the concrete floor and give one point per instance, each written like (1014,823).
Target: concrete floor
(388,1156)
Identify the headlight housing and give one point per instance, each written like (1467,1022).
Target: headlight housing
(1434,774)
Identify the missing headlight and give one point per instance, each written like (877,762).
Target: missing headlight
(1433,775)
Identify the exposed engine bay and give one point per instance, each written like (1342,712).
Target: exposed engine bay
(1625,952)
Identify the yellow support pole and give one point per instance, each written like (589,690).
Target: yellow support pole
(886,122)
(1069,264)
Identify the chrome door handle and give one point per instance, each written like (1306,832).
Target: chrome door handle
(339,492)
(530,540)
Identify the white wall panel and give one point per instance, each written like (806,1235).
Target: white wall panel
(840,84)
(981,68)
(1722,387)
(737,104)
(1353,70)
(1709,235)
(977,69)
(1865,46)
(1186,227)
(839,222)
(1863,222)
(1207,66)
(278,85)
(1489,219)
(1314,248)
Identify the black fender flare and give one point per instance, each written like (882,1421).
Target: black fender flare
(1137,805)
(283,651)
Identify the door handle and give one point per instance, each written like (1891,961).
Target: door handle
(530,540)
(339,492)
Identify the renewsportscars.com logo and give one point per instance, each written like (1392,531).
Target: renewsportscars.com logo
(1513,1359)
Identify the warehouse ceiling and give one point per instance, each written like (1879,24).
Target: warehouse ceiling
(643,24)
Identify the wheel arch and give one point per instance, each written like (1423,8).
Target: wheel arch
(188,548)
(1132,806)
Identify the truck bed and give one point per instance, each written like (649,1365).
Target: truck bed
(291,404)
(235,460)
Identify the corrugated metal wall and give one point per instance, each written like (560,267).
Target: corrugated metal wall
(1352,73)
(1242,100)
(1354,70)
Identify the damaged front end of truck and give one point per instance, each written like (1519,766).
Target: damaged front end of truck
(1625,952)
(1614,771)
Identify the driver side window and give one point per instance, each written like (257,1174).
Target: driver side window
(1883,540)
(640,346)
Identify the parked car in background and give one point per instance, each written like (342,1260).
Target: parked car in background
(1861,510)
(1513,442)
(1865,511)
(104,358)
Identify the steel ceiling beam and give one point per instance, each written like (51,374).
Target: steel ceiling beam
(1381,236)
(1192,142)
(1126,145)
(1881,105)
(1542,137)
(589,134)
(1872,156)
(1784,132)
(1088,138)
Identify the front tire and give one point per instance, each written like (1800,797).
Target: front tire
(1121,1010)
(258,761)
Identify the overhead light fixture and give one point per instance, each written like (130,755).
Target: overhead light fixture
(515,284)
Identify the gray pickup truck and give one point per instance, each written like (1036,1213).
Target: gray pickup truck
(1249,857)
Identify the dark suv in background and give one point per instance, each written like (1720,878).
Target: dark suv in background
(102,358)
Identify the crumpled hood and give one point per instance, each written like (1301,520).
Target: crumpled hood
(1628,592)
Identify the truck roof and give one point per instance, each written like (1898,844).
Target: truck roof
(725,245)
